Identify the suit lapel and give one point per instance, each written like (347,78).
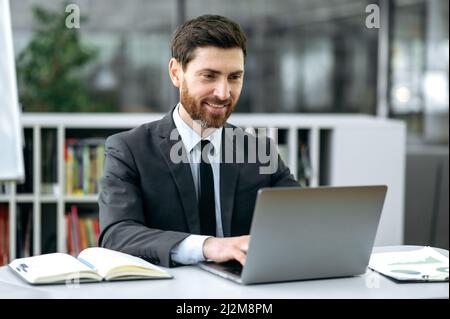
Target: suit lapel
(229,173)
(180,171)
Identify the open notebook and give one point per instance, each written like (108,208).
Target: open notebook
(92,264)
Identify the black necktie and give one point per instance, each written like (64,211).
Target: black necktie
(206,203)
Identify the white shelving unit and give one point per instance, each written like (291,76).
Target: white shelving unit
(343,150)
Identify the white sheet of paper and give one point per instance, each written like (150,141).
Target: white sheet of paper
(421,264)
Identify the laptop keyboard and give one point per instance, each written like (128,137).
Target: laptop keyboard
(233,267)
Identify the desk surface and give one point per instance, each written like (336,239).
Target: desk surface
(192,282)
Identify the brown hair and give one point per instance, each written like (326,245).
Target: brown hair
(206,30)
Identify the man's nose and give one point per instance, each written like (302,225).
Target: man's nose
(222,90)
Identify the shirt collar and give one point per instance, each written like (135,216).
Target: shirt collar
(190,138)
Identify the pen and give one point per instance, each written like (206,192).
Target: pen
(434,277)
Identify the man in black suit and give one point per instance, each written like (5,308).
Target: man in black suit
(182,189)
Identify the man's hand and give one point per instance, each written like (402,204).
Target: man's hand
(224,249)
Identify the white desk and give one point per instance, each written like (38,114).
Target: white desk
(191,282)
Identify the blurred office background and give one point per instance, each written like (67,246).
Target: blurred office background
(304,56)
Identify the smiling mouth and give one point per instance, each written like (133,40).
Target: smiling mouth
(216,106)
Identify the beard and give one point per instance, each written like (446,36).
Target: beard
(199,112)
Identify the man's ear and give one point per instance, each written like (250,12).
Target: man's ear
(175,72)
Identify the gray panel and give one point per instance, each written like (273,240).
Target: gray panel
(420,189)
(426,197)
(441,229)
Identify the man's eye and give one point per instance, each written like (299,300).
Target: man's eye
(235,77)
(208,76)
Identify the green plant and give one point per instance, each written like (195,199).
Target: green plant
(49,68)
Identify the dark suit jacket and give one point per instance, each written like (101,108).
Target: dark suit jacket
(148,204)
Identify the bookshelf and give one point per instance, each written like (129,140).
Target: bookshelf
(335,150)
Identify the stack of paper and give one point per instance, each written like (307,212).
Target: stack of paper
(425,264)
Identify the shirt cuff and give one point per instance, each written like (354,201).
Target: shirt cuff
(189,251)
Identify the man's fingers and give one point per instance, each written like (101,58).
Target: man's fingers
(240,256)
(223,249)
(244,243)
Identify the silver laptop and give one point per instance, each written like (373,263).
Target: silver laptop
(308,233)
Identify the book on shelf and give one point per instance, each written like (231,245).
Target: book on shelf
(92,265)
(84,160)
(4,234)
(82,231)
(420,265)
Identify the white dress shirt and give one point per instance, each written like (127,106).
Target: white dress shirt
(190,250)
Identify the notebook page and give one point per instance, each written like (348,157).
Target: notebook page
(105,259)
(48,265)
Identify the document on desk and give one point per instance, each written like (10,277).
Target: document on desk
(420,265)
(92,264)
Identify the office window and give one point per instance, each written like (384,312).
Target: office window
(419,68)
(303,56)
(131,40)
